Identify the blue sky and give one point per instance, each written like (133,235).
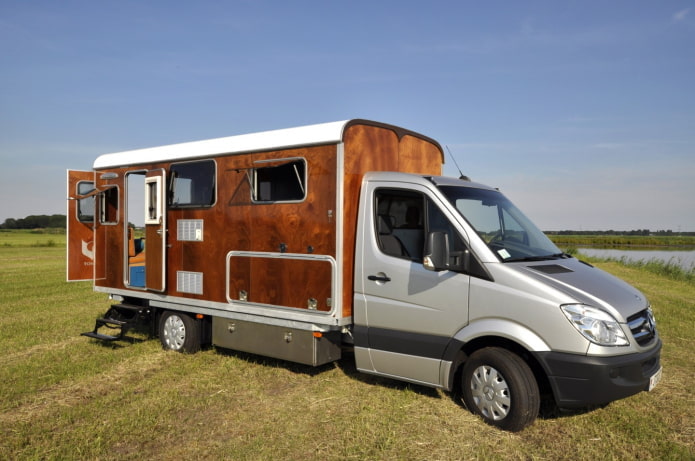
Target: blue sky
(583,112)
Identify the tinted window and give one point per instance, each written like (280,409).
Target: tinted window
(192,184)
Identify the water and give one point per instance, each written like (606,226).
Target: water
(683,258)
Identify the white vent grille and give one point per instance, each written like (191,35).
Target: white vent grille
(189,230)
(189,282)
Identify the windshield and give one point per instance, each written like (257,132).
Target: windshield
(505,229)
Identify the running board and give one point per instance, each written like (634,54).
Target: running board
(121,317)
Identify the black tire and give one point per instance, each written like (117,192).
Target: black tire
(500,387)
(179,332)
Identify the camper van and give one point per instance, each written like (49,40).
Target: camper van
(307,243)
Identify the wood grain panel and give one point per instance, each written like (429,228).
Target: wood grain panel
(235,223)
(418,156)
(367,148)
(282,282)
(378,148)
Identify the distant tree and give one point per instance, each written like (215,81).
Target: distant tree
(10,223)
(35,222)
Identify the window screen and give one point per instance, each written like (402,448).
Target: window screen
(280,183)
(192,184)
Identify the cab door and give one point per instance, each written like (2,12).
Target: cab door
(80,225)
(155,230)
(405,315)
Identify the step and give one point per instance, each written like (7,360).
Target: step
(109,322)
(123,316)
(91,334)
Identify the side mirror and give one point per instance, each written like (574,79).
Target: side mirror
(436,251)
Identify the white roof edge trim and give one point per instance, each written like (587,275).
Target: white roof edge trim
(323,133)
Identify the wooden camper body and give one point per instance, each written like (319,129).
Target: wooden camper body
(287,261)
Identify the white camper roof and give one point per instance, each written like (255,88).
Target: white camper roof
(324,133)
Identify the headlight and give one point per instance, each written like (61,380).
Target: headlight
(595,325)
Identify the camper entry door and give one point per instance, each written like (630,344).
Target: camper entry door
(155,229)
(80,225)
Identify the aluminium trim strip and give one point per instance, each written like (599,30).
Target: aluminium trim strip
(258,313)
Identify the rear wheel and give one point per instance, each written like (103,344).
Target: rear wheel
(179,332)
(500,387)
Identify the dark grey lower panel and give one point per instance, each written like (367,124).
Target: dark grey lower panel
(578,380)
(280,342)
(401,342)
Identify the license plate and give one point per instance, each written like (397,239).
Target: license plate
(654,379)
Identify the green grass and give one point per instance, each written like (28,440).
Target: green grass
(64,396)
(668,269)
(39,238)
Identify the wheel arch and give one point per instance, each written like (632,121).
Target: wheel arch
(494,333)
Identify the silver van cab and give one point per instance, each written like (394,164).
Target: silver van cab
(455,288)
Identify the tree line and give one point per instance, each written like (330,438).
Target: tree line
(645,232)
(35,222)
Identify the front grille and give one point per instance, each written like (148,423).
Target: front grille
(642,327)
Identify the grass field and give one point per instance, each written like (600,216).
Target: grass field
(63,396)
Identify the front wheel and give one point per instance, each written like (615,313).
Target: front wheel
(500,387)
(179,332)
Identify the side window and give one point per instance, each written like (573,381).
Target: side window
(400,223)
(108,206)
(280,183)
(85,206)
(192,184)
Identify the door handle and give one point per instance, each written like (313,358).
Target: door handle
(159,231)
(379,278)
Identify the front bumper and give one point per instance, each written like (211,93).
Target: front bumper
(579,380)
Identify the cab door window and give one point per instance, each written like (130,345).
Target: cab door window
(400,224)
(403,219)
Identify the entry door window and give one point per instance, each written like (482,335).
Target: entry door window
(153,205)
(85,206)
(108,206)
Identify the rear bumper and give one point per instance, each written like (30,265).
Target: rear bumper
(579,381)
